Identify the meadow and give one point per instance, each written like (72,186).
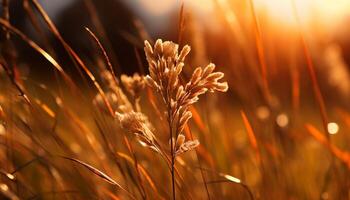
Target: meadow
(232,102)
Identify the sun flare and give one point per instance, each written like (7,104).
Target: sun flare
(283,11)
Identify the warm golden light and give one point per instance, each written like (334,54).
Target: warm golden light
(2,129)
(263,112)
(324,11)
(281,10)
(282,120)
(231,178)
(10,176)
(4,187)
(333,128)
(158,7)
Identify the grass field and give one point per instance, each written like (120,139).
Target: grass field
(242,100)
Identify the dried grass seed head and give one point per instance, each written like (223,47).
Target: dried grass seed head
(111,98)
(136,123)
(187,146)
(133,84)
(165,65)
(108,79)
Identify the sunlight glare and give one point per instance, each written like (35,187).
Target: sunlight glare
(325,11)
(333,128)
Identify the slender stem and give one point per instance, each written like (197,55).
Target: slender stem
(6,16)
(173,175)
(172,152)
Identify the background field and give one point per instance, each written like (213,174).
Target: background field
(281,131)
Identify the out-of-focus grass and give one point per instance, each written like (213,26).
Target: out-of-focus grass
(267,138)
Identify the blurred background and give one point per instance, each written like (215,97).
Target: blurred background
(287,63)
(222,32)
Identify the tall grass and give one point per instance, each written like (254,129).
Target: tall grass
(107,135)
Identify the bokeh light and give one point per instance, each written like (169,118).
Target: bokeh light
(333,128)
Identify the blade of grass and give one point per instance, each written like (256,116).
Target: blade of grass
(312,73)
(37,48)
(6,16)
(103,51)
(200,165)
(73,54)
(252,138)
(181,24)
(202,152)
(100,174)
(343,156)
(345,116)
(111,195)
(14,82)
(261,53)
(126,140)
(230,179)
(142,170)
(36,24)
(142,32)
(197,119)
(100,29)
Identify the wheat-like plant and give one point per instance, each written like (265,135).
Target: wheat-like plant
(165,67)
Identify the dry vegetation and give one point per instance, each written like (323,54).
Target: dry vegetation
(149,136)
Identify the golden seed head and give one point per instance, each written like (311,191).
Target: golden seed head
(133,84)
(136,123)
(180,140)
(187,146)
